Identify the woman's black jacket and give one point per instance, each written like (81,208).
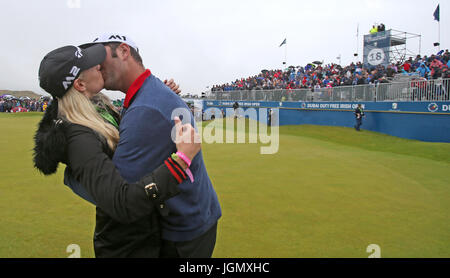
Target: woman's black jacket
(127,214)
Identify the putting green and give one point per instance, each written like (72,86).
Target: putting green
(328,192)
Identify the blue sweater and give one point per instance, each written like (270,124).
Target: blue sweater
(145,142)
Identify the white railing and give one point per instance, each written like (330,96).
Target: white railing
(414,90)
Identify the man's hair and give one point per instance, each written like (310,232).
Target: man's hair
(134,53)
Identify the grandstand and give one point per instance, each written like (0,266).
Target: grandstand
(407,98)
(354,82)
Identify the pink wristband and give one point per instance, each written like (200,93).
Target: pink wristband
(184,158)
(189,173)
(188,162)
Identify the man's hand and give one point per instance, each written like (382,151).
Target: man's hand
(173,86)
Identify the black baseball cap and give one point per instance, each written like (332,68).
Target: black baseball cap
(60,68)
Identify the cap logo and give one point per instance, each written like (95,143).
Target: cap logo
(78,53)
(117,37)
(68,82)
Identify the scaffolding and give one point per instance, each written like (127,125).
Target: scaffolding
(402,46)
(391,47)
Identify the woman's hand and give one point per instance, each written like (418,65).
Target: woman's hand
(187,140)
(173,86)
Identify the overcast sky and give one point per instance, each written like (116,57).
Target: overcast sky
(201,43)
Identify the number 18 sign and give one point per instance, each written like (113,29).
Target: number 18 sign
(376,57)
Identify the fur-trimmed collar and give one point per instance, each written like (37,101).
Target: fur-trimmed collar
(50,141)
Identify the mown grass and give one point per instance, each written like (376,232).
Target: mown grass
(327,192)
(373,141)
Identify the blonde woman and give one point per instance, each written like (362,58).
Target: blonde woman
(73,132)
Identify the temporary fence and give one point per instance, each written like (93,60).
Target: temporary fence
(414,90)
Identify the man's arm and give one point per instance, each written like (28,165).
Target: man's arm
(145,141)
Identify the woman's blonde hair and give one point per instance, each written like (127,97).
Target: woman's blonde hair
(78,109)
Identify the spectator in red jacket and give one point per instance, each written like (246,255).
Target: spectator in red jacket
(407,67)
(436,67)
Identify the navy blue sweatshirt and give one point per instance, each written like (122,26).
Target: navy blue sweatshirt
(145,142)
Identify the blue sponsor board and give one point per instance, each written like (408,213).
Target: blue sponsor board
(426,121)
(414,107)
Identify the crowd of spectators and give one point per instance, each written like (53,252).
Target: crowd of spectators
(316,75)
(12,105)
(433,67)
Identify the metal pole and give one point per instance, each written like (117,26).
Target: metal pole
(376,92)
(439,35)
(420,46)
(357,43)
(285,52)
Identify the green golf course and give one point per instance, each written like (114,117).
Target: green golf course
(328,192)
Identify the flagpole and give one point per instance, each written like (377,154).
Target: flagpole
(439,35)
(357,43)
(437,16)
(285,52)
